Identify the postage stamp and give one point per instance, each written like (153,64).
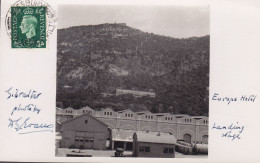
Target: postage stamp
(28,27)
(30,23)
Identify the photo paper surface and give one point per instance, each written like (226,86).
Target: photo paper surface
(106,81)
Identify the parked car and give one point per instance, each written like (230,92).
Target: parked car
(119,152)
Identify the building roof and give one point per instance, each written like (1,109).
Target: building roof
(122,135)
(180,115)
(198,117)
(107,109)
(86,107)
(162,114)
(127,136)
(69,108)
(82,115)
(133,91)
(155,138)
(126,110)
(57,108)
(143,112)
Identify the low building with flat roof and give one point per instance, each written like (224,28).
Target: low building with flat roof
(146,144)
(134,93)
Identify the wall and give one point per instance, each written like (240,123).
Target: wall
(156,150)
(176,125)
(91,130)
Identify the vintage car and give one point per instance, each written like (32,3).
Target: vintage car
(119,152)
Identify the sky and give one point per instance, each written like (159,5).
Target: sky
(174,21)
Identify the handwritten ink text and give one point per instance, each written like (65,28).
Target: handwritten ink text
(16,93)
(228,100)
(232,130)
(23,124)
(29,107)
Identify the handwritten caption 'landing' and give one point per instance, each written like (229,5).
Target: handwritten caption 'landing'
(231,131)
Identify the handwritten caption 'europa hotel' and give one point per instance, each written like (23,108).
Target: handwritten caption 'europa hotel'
(232,131)
(243,98)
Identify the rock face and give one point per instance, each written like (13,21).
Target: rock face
(98,59)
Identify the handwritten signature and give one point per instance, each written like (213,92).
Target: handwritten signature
(23,124)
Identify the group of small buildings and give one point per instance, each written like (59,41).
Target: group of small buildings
(146,134)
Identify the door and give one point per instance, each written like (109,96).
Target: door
(205,139)
(187,138)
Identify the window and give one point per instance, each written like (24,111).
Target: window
(76,138)
(148,116)
(110,113)
(105,113)
(83,111)
(166,118)
(151,117)
(86,121)
(168,150)
(144,149)
(141,149)
(171,118)
(131,115)
(125,114)
(145,116)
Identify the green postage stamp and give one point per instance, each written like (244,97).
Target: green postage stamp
(28,27)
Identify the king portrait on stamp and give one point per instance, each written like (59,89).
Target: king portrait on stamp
(28,27)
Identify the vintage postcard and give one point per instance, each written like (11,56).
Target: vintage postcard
(140,76)
(143,81)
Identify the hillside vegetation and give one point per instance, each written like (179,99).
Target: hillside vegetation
(98,59)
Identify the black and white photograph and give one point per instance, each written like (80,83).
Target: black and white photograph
(132,81)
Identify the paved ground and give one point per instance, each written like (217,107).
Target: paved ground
(62,152)
(180,155)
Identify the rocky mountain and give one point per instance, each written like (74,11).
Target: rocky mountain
(98,59)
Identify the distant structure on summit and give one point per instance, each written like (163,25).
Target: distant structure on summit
(134,93)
